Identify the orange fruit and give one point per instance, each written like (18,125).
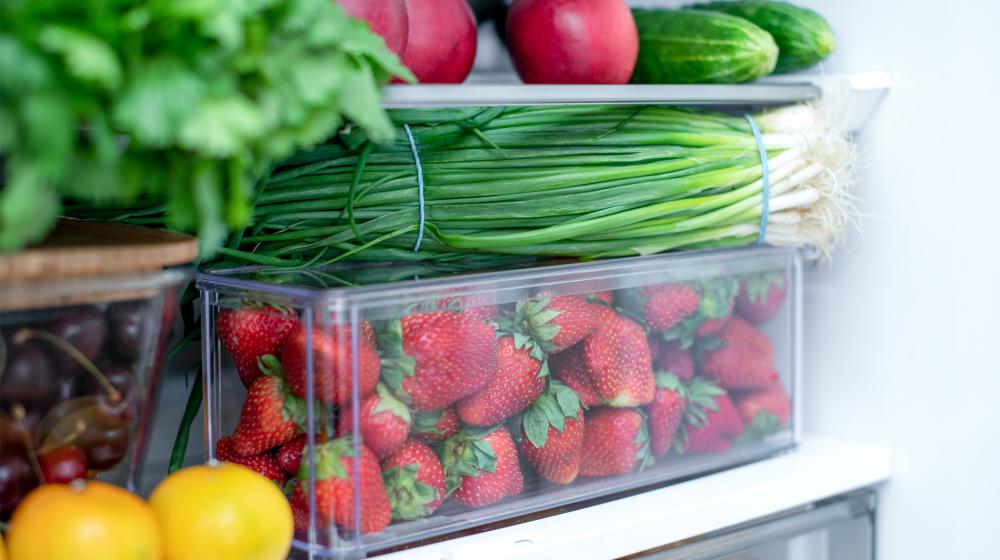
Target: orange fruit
(222,511)
(84,520)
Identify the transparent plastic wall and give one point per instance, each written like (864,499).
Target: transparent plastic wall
(80,361)
(397,403)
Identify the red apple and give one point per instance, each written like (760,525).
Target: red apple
(387,18)
(572,41)
(441,45)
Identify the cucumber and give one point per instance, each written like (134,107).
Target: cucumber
(804,38)
(689,46)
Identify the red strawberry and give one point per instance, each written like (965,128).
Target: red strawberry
(264,464)
(481,467)
(666,412)
(414,479)
(761,295)
(716,297)
(764,411)
(332,360)
(676,360)
(248,333)
(678,405)
(666,305)
(299,501)
(335,488)
(268,418)
(570,368)
(618,360)
(385,422)
(435,426)
(744,360)
(435,358)
(289,455)
(721,425)
(478,306)
(519,379)
(556,323)
(550,437)
(615,441)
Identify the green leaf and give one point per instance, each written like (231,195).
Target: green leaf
(222,126)
(426,422)
(536,427)
(568,400)
(87,57)
(388,403)
(328,458)
(360,101)
(551,410)
(162,96)
(28,208)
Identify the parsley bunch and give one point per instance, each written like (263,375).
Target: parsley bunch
(181,101)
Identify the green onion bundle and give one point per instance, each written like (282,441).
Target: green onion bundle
(576,181)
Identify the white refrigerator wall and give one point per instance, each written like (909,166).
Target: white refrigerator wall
(903,331)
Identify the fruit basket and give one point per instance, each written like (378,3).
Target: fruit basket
(401,402)
(85,322)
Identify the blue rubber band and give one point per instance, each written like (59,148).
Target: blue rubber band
(765,177)
(420,186)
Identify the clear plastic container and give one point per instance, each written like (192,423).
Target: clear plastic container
(80,360)
(566,382)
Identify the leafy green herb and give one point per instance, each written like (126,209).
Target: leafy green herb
(178,106)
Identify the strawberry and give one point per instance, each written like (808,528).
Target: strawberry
(570,368)
(332,362)
(435,358)
(289,455)
(761,295)
(716,297)
(663,306)
(763,411)
(414,479)
(385,422)
(676,360)
(715,433)
(481,466)
(615,441)
(618,360)
(250,332)
(435,426)
(335,488)
(678,405)
(271,416)
(478,306)
(519,379)
(550,434)
(264,463)
(742,358)
(556,322)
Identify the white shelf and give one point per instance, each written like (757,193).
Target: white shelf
(820,468)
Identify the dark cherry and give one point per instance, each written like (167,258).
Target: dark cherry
(63,464)
(106,449)
(126,406)
(11,433)
(85,329)
(129,323)
(28,379)
(16,479)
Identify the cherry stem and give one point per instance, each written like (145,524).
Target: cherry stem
(24,335)
(29,446)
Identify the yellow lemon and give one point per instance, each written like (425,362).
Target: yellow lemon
(222,512)
(84,520)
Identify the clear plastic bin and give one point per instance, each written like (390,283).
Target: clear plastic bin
(80,360)
(504,393)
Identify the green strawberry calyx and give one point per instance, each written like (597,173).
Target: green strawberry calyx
(329,459)
(716,296)
(293,408)
(396,364)
(643,455)
(758,286)
(426,422)
(551,408)
(388,403)
(467,454)
(270,365)
(763,424)
(534,317)
(700,394)
(409,498)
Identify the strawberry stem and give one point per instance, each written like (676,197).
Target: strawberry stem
(25,335)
